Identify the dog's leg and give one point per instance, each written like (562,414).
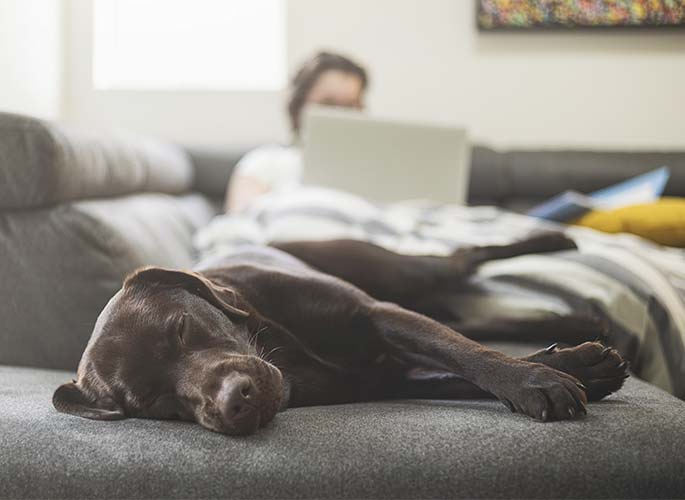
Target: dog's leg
(600,369)
(530,388)
(383,274)
(389,276)
(540,242)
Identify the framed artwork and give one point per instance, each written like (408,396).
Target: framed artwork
(568,14)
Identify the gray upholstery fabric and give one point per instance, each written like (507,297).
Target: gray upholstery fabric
(60,265)
(213,168)
(41,164)
(519,179)
(630,446)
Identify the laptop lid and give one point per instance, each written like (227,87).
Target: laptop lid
(384,160)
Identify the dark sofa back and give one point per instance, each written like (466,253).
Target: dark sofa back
(519,179)
(515,179)
(213,168)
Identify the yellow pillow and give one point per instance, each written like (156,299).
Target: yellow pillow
(662,221)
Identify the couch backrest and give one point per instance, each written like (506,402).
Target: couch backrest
(42,164)
(515,179)
(519,179)
(213,167)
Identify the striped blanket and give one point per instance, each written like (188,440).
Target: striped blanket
(637,287)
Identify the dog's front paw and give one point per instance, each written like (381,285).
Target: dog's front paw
(601,369)
(544,393)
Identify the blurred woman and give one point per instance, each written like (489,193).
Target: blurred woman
(326,79)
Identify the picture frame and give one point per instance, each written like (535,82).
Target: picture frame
(524,15)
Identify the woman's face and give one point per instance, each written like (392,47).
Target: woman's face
(337,88)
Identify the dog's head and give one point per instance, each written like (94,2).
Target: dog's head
(174,345)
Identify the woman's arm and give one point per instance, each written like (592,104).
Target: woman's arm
(242,190)
(267,168)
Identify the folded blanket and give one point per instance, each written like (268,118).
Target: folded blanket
(636,286)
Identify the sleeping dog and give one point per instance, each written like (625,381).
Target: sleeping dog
(313,323)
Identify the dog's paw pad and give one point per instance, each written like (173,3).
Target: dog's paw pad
(601,369)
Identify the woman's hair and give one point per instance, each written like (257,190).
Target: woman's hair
(309,73)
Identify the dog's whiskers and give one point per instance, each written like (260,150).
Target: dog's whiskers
(260,329)
(275,349)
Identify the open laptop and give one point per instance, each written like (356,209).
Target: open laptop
(384,160)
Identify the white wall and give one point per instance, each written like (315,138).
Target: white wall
(31,57)
(205,117)
(610,89)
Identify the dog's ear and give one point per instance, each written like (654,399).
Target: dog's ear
(69,398)
(219,296)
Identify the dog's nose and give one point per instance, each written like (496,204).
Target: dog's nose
(236,401)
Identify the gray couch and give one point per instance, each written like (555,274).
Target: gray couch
(77,214)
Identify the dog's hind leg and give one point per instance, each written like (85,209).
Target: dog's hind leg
(383,274)
(404,279)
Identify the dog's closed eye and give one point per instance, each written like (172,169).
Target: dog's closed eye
(195,335)
(182,328)
(191,334)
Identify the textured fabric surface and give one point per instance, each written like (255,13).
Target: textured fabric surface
(60,266)
(213,168)
(41,164)
(629,446)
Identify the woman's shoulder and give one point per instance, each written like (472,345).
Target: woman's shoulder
(273,164)
(271,153)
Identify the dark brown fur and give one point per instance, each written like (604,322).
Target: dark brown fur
(308,323)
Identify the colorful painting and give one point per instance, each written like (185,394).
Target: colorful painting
(524,14)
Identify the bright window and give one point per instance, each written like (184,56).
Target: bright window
(189,44)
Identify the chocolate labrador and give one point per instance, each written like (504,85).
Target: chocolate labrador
(313,323)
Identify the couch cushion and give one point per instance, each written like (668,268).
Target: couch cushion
(42,163)
(60,266)
(629,446)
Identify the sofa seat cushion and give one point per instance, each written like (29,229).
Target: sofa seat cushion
(42,163)
(629,446)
